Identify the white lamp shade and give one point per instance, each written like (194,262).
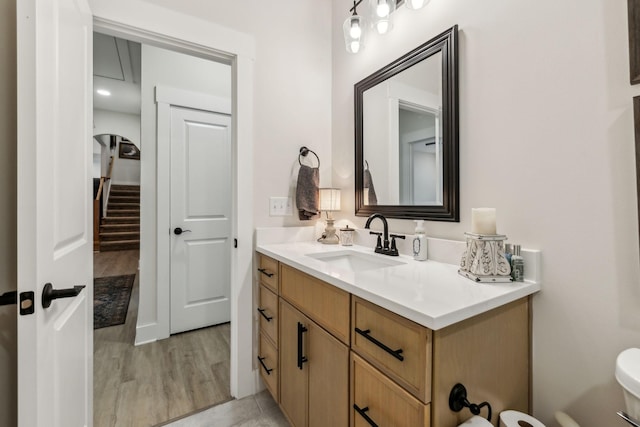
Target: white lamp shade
(415,4)
(329,199)
(353,30)
(381,15)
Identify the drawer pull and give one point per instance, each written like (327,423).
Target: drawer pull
(395,353)
(301,359)
(262,310)
(267,370)
(265,272)
(363,414)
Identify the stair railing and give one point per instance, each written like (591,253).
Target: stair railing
(96,216)
(107,190)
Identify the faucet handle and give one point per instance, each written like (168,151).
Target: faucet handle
(393,251)
(379,242)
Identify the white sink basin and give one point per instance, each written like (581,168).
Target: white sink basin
(355,261)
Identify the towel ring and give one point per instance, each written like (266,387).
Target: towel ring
(304,151)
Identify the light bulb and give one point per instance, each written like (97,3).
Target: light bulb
(355,46)
(382,27)
(355,31)
(382,9)
(416,4)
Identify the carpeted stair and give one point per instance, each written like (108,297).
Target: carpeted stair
(120,229)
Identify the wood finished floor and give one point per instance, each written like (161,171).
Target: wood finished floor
(153,383)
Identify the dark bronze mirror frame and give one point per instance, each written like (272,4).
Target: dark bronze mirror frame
(447,44)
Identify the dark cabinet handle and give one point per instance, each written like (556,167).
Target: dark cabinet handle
(178,231)
(49,294)
(262,310)
(301,359)
(267,370)
(363,414)
(395,353)
(265,272)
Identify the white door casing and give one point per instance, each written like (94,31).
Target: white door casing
(154,24)
(54,91)
(200,218)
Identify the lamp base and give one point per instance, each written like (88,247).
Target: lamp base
(329,236)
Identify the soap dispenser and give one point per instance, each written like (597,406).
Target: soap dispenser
(420,242)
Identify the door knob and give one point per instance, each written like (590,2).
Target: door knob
(49,294)
(178,231)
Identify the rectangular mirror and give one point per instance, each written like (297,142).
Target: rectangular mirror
(407,135)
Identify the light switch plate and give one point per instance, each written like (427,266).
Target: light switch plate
(280,206)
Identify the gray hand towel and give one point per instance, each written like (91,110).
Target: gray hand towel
(368,186)
(307,198)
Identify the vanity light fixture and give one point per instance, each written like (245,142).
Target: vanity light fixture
(354,31)
(329,202)
(381,12)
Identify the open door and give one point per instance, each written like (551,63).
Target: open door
(55,345)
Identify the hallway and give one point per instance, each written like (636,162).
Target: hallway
(157,382)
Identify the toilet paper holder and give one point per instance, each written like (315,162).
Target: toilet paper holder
(458,401)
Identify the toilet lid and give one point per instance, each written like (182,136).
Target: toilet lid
(628,370)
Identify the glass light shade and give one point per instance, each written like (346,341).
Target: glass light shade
(416,4)
(329,199)
(381,15)
(353,29)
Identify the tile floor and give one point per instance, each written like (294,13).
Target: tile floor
(259,410)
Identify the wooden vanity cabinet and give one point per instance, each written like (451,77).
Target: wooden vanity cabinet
(268,317)
(314,372)
(327,352)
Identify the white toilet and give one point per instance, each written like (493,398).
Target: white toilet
(628,375)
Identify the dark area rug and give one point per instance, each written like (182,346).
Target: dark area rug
(111,297)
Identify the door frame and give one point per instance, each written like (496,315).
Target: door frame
(167,97)
(157,26)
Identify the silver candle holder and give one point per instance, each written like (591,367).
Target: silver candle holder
(484,259)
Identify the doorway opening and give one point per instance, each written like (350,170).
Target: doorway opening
(190,371)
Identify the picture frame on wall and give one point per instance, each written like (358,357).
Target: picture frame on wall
(633,12)
(128,151)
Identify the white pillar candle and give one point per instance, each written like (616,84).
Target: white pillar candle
(483,220)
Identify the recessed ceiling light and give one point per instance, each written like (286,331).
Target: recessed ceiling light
(103,92)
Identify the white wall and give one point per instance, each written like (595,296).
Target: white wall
(292,97)
(167,68)
(8,220)
(125,171)
(546,137)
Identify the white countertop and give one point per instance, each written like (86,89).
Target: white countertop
(430,293)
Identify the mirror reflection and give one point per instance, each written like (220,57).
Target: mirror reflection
(402,130)
(407,135)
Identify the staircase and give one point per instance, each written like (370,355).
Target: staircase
(120,229)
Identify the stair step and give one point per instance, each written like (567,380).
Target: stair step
(123,199)
(121,220)
(124,193)
(125,187)
(118,245)
(124,212)
(111,228)
(123,205)
(119,236)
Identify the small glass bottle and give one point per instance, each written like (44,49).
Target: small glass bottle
(517,264)
(508,251)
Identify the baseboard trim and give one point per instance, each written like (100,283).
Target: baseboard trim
(146,334)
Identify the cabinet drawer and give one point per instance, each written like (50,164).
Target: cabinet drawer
(382,400)
(398,347)
(268,272)
(268,314)
(323,303)
(268,359)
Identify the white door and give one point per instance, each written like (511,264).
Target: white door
(55,344)
(200,218)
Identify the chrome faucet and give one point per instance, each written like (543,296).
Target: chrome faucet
(384,249)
